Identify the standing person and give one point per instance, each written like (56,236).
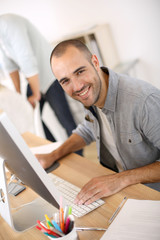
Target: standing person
(122,114)
(24,49)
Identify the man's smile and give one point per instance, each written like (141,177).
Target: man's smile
(84,93)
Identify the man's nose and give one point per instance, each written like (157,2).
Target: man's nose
(77,85)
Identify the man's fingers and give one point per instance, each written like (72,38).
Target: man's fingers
(91,196)
(82,193)
(98,187)
(86,193)
(44,160)
(94,198)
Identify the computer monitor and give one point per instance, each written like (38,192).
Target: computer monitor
(20,161)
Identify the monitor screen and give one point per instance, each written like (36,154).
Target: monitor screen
(21,162)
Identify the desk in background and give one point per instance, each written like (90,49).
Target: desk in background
(77,170)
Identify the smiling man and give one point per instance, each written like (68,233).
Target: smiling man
(122,116)
(81,78)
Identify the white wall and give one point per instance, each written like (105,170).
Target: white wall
(136,30)
(135,25)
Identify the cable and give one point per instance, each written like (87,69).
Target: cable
(12,178)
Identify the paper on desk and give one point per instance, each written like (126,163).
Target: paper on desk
(137,220)
(45,148)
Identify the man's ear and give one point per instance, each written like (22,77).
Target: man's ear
(95,62)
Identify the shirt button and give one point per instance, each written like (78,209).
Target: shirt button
(129,140)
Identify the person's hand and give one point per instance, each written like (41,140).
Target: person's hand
(33,99)
(99,187)
(46,160)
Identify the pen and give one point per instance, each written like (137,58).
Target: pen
(42,225)
(48,230)
(71,223)
(44,231)
(56,226)
(48,222)
(70,210)
(39,228)
(61,216)
(47,218)
(50,225)
(66,209)
(67,225)
(47,234)
(117,211)
(57,231)
(56,218)
(90,229)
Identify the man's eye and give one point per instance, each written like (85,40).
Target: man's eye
(65,81)
(79,72)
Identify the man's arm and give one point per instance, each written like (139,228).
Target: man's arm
(24,57)
(105,186)
(34,84)
(72,144)
(16,80)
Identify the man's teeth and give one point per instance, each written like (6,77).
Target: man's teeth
(83,93)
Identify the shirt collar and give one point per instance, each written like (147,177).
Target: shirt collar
(110,102)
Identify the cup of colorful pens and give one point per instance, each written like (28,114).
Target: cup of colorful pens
(60,226)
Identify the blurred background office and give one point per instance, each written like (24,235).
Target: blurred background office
(125,33)
(25,50)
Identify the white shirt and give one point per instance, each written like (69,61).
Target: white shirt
(27,50)
(107,138)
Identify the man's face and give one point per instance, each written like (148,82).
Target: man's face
(77,76)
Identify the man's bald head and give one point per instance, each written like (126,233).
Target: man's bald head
(62,47)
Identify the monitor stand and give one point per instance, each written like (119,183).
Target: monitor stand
(27,216)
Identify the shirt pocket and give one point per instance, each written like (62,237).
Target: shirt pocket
(131,138)
(89,122)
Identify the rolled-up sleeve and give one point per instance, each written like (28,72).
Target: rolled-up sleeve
(83,131)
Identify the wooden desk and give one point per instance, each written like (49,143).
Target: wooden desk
(77,170)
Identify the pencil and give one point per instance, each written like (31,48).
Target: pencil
(117,211)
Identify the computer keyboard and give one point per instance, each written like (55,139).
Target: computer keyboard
(69,192)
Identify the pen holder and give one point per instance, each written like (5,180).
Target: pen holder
(70,236)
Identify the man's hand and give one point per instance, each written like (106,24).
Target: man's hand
(105,186)
(46,160)
(99,187)
(32,100)
(36,95)
(72,144)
